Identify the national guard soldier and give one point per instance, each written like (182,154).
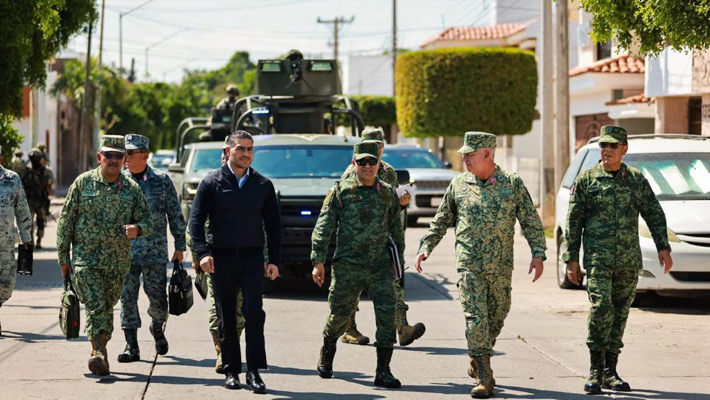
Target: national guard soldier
(386,173)
(103,211)
(18,164)
(149,254)
(365,211)
(45,162)
(484,203)
(37,181)
(228,102)
(604,207)
(13,208)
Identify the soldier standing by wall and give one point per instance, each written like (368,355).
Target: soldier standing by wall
(149,254)
(103,211)
(386,173)
(13,208)
(604,207)
(37,181)
(365,211)
(18,164)
(484,203)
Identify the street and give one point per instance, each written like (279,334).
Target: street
(541,353)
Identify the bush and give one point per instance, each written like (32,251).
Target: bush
(446,92)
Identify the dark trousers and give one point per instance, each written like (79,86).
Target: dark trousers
(233,270)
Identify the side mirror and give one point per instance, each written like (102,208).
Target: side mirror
(403,177)
(448,165)
(176,168)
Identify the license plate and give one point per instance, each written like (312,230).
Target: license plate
(435,201)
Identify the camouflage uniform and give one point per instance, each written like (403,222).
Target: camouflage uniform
(484,213)
(13,208)
(150,254)
(37,181)
(91,224)
(18,164)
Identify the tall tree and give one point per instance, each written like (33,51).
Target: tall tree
(654,24)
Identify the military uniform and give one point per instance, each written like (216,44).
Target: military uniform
(604,208)
(92,225)
(17,164)
(149,254)
(13,208)
(364,216)
(37,181)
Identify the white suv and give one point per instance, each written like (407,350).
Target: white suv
(678,169)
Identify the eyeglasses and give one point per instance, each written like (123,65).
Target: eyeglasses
(612,145)
(137,151)
(111,156)
(367,161)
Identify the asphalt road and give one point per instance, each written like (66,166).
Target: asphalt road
(540,354)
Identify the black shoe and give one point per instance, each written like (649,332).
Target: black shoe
(161,343)
(232,381)
(255,383)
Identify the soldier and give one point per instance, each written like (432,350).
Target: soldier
(407,333)
(37,181)
(205,137)
(103,211)
(604,207)
(149,254)
(228,102)
(365,211)
(45,162)
(18,164)
(484,203)
(13,208)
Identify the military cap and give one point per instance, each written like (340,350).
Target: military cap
(205,137)
(366,149)
(35,153)
(19,153)
(134,141)
(231,89)
(113,143)
(373,134)
(41,146)
(613,134)
(473,141)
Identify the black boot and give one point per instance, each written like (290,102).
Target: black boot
(383,375)
(596,370)
(132,352)
(612,380)
(161,343)
(327,354)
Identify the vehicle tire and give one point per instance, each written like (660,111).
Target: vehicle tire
(562,280)
(412,220)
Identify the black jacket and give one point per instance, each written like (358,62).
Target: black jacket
(236,215)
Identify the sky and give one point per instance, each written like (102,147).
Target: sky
(203,34)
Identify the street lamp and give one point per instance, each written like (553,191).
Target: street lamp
(157,43)
(120,35)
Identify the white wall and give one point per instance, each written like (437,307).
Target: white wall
(589,103)
(369,75)
(670,74)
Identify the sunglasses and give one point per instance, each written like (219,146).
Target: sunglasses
(612,145)
(367,161)
(132,152)
(111,156)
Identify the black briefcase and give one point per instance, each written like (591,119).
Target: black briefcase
(396,263)
(24,259)
(179,290)
(201,284)
(69,317)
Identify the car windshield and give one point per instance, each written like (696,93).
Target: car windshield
(286,161)
(672,176)
(411,158)
(161,161)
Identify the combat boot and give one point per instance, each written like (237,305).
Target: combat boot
(98,363)
(131,353)
(383,375)
(161,343)
(218,368)
(325,363)
(612,380)
(596,370)
(485,382)
(352,335)
(38,245)
(408,334)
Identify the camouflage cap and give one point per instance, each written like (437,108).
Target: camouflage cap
(41,146)
(613,134)
(373,134)
(113,143)
(35,154)
(473,141)
(366,149)
(232,89)
(19,152)
(134,141)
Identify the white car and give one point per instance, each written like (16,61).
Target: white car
(678,169)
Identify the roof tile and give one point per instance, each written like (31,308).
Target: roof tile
(625,64)
(501,31)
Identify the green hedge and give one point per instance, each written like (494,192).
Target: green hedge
(377,110)
(446,92)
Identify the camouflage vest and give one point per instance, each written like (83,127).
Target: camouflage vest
(35,182)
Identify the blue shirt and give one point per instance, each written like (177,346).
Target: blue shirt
(241,180)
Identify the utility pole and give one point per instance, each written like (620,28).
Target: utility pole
(336,22)
(394,46)
(547,149)
(84,131)
(562,145)
(97,107)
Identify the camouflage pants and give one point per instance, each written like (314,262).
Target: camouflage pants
(485,298)
(400,308)
(241,323)
(154,284)
(99,289)
(8,274)
(41,221)
(348,281)
(611,292)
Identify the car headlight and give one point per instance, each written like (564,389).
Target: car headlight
(190,190)
(645,232)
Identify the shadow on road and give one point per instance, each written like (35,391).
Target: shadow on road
(516,392)
(697,305)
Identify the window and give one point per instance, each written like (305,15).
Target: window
(573,170)
(675,176)
(603,50)
(411,158)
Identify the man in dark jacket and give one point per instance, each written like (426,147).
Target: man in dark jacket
(240,204)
